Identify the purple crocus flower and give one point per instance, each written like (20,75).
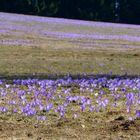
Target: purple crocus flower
(61,110)
(7,86)
(137,112)
(41,118)
(101,92)
(91,108)
(3,109)
(49,106)
(82,107)
(28,111)
(14,110)
(12,102)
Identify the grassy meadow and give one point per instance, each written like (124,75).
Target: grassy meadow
(83,76)
(58,47)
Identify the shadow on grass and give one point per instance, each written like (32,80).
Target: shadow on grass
(65,76)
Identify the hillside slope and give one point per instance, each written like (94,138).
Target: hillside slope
(41,45)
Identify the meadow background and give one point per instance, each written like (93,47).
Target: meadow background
(38,45)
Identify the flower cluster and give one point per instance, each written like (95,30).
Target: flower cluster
(41,98)
(12,25)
